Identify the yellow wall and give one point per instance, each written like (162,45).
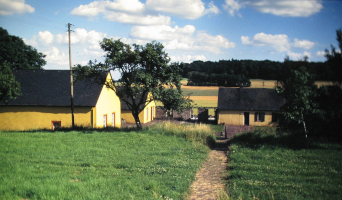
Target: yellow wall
(237,118)
(107,104)
(127,114)
(34,117)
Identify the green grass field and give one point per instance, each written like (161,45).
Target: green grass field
(99,165)
(269,166)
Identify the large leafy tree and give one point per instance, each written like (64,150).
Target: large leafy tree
(143,68)
(15,54)
(299,91)
(18,55)
(8,86)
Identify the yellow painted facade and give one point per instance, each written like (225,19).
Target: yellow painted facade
(237,118)
(20,118)
(108,109)
(145,116)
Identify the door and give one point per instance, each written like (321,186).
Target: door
(246,120)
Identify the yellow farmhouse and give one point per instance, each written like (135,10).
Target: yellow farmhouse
(248,106)
(45,102)
(146,115)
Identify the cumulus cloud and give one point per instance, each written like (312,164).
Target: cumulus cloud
(123,11)
(182,38)
(280,7)
(303,44)
(46,37)
(81,35)
(232,6)
(188,9)
(279,42)
(187,58)
(10,7)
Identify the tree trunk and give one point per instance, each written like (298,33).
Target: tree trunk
(304,125)
(137,120)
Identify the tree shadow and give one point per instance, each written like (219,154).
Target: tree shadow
(255,140)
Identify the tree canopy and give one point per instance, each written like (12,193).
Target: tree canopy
(15,54)
(18,55)
(144,69)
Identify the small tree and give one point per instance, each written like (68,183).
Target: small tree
(173,99)
(298,90)
(334,59)
(143,69)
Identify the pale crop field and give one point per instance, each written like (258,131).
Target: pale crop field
(207,96)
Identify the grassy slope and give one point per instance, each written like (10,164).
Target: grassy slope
(96,165)
(283,167)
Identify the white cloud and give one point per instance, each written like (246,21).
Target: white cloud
(279,7)
(303,44)
(123,11)
(10,7)
(80,35)
(46,37)
(187,58)
(320,53)
(279,42)
(186,38)
(188,9)
(232,6)
(55,56)
(137,19)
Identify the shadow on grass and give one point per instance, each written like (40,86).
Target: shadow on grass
(276,139)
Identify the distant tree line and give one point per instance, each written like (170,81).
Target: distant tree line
(238,72)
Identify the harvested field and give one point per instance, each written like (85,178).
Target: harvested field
(204,98)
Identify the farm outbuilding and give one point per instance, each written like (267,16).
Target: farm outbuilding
(146,115)
(45,102)
(248,106)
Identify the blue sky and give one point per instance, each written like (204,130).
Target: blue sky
(189,29)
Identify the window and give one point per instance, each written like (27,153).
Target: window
(275,117)
(104,121)
(113,119)
(146,113)
(56,125)
(259,117)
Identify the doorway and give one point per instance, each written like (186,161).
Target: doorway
(246,120)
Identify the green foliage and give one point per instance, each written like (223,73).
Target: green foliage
(143,69)
(9,88)
(334,62)
(281,166)
(173,99)
(17,55)
(97,165)
(298,90)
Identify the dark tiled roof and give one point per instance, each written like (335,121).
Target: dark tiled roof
(52,88)
(249,99)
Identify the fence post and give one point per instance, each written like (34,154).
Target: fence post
(225,131)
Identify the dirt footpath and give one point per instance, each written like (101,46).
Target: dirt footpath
(210,179)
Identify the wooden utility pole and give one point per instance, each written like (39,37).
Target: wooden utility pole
(71,82)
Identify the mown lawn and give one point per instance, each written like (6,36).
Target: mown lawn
(97,165)
(268,166)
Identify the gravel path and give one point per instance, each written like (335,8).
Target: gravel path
(210,179)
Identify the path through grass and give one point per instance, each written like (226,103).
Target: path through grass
(97,165)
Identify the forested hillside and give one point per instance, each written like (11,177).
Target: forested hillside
(238,72)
